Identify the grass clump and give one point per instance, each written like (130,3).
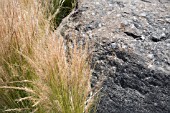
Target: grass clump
(35,72)
(59,9)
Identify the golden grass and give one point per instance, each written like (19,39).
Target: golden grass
(36,74)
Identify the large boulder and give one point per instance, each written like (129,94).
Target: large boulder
(131,52)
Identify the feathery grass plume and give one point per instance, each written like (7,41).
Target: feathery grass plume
(20,28)
(66,85)
(35,73)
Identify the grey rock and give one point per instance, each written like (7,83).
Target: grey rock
(113,45)
(131,43)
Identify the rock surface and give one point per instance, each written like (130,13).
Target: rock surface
(131,42)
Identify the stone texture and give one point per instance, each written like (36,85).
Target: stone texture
(131,52)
